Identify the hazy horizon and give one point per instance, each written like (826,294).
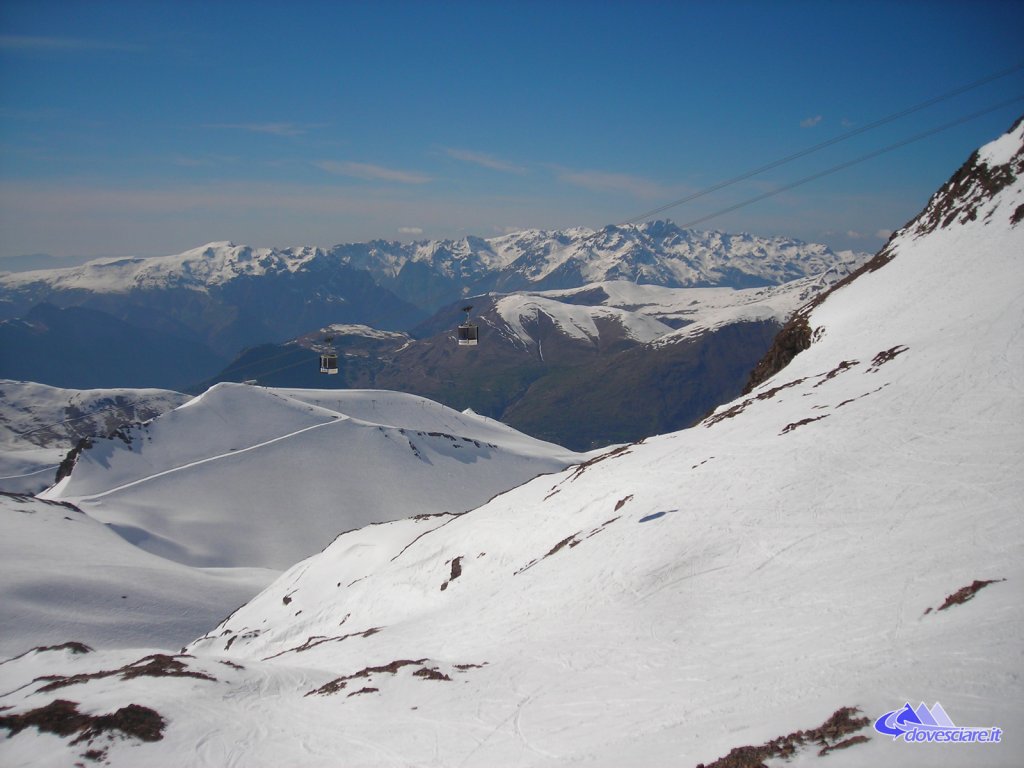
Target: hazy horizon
(149,129)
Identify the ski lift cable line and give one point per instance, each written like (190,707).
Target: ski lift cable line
(855,161)
(265,360)
(78,418)
(828,143)
(264,374)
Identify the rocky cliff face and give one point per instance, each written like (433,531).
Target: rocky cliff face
(973,191)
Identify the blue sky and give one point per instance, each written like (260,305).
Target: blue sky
(148,128)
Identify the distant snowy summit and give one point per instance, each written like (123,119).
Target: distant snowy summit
(653,253)
(224,297)
(429,273)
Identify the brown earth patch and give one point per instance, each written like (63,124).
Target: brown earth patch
(845,365)
(157,665)
(424,672)
(456,572)
(802,422)
(61,717)
(964,594)
(885,356)
(314,641)
(741,406)
(827,737)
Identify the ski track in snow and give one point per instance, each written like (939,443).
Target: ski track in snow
(207,460)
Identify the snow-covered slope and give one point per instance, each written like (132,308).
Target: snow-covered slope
(248,476)
(577,322)
(63,575)
(670,601)
(40,424)
(660,314)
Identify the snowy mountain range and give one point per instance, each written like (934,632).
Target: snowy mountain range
(230,296)
(840,543)
(653,253)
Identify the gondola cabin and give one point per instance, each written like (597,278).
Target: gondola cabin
(329,362)
(468,335)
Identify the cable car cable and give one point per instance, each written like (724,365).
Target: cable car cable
(77,418)
(828,143)
(855,161)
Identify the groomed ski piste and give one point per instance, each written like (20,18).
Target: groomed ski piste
(843,540)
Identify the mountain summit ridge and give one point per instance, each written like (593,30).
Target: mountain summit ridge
(656,252)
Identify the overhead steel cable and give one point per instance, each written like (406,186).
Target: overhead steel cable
(264,374)
(263,361)
(828,143)
(98,411)
(855,161)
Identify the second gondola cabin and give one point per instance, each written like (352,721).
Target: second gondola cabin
(468,334)
(329,358)
(329,362)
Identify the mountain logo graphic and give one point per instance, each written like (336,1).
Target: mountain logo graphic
(925,724)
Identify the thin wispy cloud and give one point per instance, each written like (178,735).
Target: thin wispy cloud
(274,129)
(410,230)
(602,181)
(42,44)
(484,160)
(371,172)
(202,161)
(810,122)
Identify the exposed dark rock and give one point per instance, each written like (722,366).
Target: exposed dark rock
(956,201)
(885,356)
(456,572)
(828,736)
(802,422)
(793,339)
(63,718)
(69,461)
(964,594)
(339,683)
(156,665)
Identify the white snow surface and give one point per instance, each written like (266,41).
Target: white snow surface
(573,320)
(66,576)
(250,476)
(649,313)
(358,329)
(1002,150)
(671,600)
